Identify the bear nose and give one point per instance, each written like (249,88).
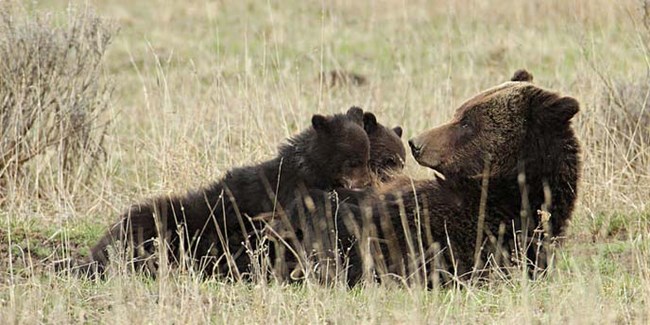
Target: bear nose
(415,149)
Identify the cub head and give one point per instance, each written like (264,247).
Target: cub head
(340,150)
(502,126)
(387,152)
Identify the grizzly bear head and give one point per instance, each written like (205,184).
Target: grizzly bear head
(500,128)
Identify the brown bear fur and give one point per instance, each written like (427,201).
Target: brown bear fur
(508,153)
(212,227)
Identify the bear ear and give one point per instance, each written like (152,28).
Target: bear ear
(320,122)
(355,114)
(522,75)
(369,122)
(555,110)
(564,109)
(398,131)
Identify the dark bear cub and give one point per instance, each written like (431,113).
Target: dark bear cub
(387,159)
(387,152)
(211,229)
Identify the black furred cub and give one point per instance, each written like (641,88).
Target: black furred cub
(212,229)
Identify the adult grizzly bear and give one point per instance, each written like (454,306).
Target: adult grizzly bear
(209,229)
(511,164)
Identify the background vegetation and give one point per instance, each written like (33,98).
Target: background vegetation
(189,89)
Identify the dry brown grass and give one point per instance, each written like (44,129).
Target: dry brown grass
(202,86)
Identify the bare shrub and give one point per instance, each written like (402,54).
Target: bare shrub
(52,95)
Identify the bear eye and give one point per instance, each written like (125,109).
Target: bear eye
(464,122)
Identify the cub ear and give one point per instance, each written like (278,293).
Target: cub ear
(355,114)
(320,122)
(398,131)
(552,109)
(522,75)
(369,122)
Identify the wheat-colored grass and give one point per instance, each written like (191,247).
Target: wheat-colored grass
(202,86)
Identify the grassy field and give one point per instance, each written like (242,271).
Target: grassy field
(202,86)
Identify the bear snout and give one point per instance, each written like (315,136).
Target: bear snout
(425,151)
(358,179)
(415,149)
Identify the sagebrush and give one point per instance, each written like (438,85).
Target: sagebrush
(53,95)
